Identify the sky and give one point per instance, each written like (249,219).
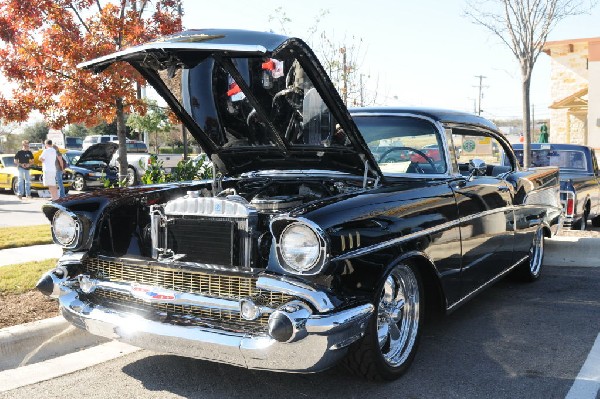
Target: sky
(417,53)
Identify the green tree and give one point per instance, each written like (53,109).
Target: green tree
(155,122)
(76,130)
(37,132)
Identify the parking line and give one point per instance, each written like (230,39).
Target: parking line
(38,372)
(587,383)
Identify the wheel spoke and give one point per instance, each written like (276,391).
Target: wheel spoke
(394,332)
(382,334)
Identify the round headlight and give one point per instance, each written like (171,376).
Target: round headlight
(65,228)
(300,247)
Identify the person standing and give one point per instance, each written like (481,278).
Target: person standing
(48,159)
(24,159)
(60,166)
(544,135)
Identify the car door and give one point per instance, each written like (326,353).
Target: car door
(5,175)
(484,199)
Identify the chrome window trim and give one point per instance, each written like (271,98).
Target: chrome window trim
(440,130)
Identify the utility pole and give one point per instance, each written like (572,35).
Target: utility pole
(481,77)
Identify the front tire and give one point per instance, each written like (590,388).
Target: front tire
(392,336)
(79,183)
(131,177)
(15,186)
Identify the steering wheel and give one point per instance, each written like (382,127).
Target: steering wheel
(418,152)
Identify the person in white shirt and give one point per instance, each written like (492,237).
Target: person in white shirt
(48,159)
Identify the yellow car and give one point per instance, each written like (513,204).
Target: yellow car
(9,176)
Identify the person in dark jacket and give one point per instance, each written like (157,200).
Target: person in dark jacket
(23,160)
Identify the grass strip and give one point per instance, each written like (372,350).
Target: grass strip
(16,237)
(22,277)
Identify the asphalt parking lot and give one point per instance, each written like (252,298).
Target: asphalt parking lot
(514,340)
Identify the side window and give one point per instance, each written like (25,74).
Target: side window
(474,149)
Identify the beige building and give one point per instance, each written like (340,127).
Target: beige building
(575,91)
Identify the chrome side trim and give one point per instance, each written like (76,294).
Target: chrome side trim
(395,241)
(318,299)
(483,286)
(428,231)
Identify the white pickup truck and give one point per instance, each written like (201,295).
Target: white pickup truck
(138,159)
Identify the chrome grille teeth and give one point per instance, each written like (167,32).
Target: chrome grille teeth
(218,286)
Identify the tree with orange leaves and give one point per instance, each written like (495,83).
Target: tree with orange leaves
(44,40)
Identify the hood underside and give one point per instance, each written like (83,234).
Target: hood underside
(252,100)
(98,152)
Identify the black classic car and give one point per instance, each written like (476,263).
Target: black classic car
(305,249)
(579,179)
(91,167)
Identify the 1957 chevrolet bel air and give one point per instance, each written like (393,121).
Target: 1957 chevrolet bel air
(307,248)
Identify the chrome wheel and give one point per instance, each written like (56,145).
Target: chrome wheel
(536,253)
(79,183)
(392,336)
(131,178)
(398,315)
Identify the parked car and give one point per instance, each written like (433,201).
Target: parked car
(97,138)
(73,143)
(579,179)
(91,167)
(134,146)
(304,251)
(9,176)
(36,146)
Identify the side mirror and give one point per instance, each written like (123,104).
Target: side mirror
(477,167)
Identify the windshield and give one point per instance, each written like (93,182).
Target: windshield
(564,159)
(403,144)
(8,161)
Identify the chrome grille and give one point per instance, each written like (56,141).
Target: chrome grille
(180,314)
(219,286)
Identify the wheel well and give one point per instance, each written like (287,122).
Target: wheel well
(435,300)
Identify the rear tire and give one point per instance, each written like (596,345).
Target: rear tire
(596,221)
(531,269)
(392,335)
(582,223)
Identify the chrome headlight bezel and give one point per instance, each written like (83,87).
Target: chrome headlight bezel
(316,261)
(66,220)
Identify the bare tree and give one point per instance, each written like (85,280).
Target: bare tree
(524,25)
(342,59)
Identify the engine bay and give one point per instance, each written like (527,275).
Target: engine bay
(228,229)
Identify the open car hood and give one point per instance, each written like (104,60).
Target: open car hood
(252,100)
(98,152)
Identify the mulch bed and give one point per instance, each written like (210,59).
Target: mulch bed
(23,308)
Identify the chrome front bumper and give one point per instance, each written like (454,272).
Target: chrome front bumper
(324,342)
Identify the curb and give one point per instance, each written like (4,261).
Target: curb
(41,340)
(571,251)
